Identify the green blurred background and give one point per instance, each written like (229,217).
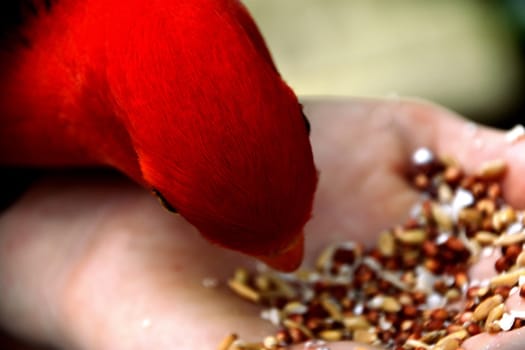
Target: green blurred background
(468,55)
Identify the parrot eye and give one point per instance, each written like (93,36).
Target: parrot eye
(163,201)
(306,123)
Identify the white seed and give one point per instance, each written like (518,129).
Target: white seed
(508,279)
(506,322)
(422,156)
(515,134)
(485,237)
(505,240)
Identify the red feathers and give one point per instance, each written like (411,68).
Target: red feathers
(180,95)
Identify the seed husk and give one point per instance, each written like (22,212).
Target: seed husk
(387,244)
(520,260)
(331,334)
(492,170)
(507,279)
(448,344)
(241,275)
(482,310)
(503,217)
(356,322)
(415,236)
(283,287)
(505,240)
(443,220)
(324,260)
(494,315)
(262,282)
(332,308)
(365,336)
(294,307)
(416,344)
(485,237)
(295,325)
(244,291)
(458,335)
(390,304)
(228,341)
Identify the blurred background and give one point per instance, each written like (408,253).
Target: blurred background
(468,55)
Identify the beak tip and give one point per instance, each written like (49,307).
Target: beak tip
(288,260)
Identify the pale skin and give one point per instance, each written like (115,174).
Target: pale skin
(95,263)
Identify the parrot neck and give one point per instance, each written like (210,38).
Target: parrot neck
(55,102)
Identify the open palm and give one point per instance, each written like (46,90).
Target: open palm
(93,262)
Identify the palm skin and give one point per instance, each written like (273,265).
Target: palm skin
(94,263)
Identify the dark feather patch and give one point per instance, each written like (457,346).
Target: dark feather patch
(13,15)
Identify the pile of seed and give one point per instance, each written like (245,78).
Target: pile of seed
(412,290)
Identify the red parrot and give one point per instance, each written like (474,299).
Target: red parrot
(182,96)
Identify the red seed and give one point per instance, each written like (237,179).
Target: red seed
(439,314)
(421,181)
(430,249)
(409,311)
(473,329)
(502,264)
(513,251)
(455,244)
(494,191)
(504,291)
(452,175)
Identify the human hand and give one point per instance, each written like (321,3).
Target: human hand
(93,263)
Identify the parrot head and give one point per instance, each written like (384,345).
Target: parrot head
(245,184)
(219,136)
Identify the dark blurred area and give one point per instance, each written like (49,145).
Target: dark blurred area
(467,55)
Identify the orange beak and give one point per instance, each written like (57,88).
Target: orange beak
(288,259)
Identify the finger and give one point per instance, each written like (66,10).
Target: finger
(501,341)
(96,264)
(422,124)
(360,190)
